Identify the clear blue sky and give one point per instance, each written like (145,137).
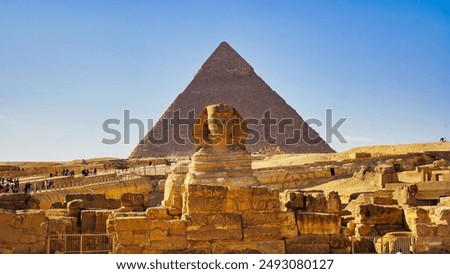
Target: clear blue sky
(67,66)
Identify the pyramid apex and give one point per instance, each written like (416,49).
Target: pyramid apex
(224,44)
(224,61)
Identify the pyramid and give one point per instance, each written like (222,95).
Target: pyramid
(227,78)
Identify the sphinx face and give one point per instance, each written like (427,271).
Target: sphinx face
(218,118)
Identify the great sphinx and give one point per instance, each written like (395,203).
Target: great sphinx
(220,156)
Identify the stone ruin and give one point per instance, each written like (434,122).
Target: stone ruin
(216,205)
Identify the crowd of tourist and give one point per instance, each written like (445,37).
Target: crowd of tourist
(12,185)
(9,185)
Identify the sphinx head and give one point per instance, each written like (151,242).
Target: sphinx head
(220,127)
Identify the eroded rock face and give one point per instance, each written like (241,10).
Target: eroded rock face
(23,231)
(18,201)
(371,214)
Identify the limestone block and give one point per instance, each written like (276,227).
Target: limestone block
(443,214)
(383,229)
(269,225)
(406,195)
(430,241)
(318,223)
(292,199)
(415,215)
(424,230)
(204,199)
(446,241)
(141,238)
(62,225)
(132,200)
(334,204)
(255,198)
(177,227)
(124,238)
(347,232)
(132,224)
(198,247)
(76,204)
(94,221)
(265,199)
(173,187)
(239,199)
(241,247)
(366,230)
(158,213)
(90,200)
(226,226)
(378,214)
(444,201)
(315,202)
(18,201)
(443,230)
(172,243)
(75,207)
(308,244)
(308,240)
(26,234)
(383,200)
(340,250)
(339,241)
(129,249)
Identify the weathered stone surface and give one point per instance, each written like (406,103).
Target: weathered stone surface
(334,204)
(378,214)
(383,200)
(406,195)
(23,232)
(308,244)
(90,200)
(443,214)
(265,199)
(385,174)
(129,249)
(204,199)
(315,202)
(211,227)
(75,206)
(174,186)
(254,247)
(94,221)
(443,230)
(444,201)
(158,213)
(383,229)
(415,215)
(429,241)
(366,230)
(62,225)
(18,201)
(271,225)
(424,230)
(132,200)
(318,223)
(132,223)
(199,247)
(292,199)
(338,241)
